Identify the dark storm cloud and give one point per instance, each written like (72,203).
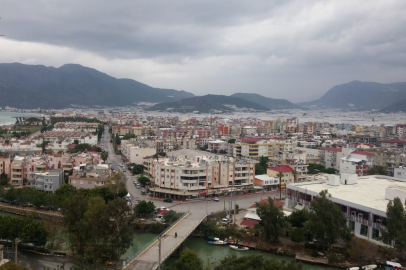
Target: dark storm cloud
(283,49)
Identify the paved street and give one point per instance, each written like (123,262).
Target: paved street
(37,261)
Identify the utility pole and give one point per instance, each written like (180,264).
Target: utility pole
(159,254)
(15,256)
(235,203)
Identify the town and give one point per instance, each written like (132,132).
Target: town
(187,162)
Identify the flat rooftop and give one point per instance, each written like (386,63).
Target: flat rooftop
(369,191)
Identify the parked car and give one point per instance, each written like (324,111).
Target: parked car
(15,202)
(216,199)
(143,192)
(4,200)
(135,182)
(168,200)
(138,186)
(27,204)
(224,221)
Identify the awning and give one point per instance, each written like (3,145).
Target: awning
(299,207)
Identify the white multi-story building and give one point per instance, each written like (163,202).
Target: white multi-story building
(363,200)
(400,172)
(188,173)
(330,157)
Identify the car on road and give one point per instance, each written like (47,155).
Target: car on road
(4,200)
(138,186)
(216,199)
(27,204)
(135,182)
(143,192)
(168,200)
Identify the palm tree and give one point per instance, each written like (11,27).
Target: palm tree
(280,175)
(295,173)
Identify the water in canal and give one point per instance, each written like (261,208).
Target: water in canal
(206,251)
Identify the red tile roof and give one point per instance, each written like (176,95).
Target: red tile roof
(161,212)
(332,149)
(362,153)
(281,168)
(275,202)
(394,141)
(249,222)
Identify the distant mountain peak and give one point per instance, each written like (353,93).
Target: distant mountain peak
(33,86)
(361,95)
(270,103)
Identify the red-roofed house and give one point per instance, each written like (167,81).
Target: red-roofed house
(355,162)
(286,170)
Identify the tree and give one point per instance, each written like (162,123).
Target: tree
(144,208)
(231,141)
(143,180)
(104,155)
(396,225)
(280,175)
(261,167)
(378,170)
(295,173)
(298,218)
(273,220)
(256,262)
(117,140)
(326,220)
(170,216)
(129,136)
(189,259)
(97,231)
(297,235)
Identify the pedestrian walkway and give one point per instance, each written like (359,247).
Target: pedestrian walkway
(148,258)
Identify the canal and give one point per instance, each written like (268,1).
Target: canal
(209,252)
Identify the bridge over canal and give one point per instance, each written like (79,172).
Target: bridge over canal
(147,258)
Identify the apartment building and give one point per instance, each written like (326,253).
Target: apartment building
(330,157)
(134,151)
(90,177)
(400,172)
(393,144)
(190,173)
(48,181)
(287,172)
(356,162)
(389,158)
(5,165)
(217,145)
(400,130)
(165,146)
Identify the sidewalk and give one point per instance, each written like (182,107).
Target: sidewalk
(208,199)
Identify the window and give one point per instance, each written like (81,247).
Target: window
(364,230)
(375,233)
(45,186)
(73,181)
(351,225)
(50,181)
(81,182)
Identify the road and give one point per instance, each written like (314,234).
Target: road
(200,207)
(37,261)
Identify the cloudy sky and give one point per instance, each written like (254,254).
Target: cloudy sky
(283,49)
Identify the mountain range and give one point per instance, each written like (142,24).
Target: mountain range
(209,103)
(33,86)
(37,86)
(361,95)
(270,103)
